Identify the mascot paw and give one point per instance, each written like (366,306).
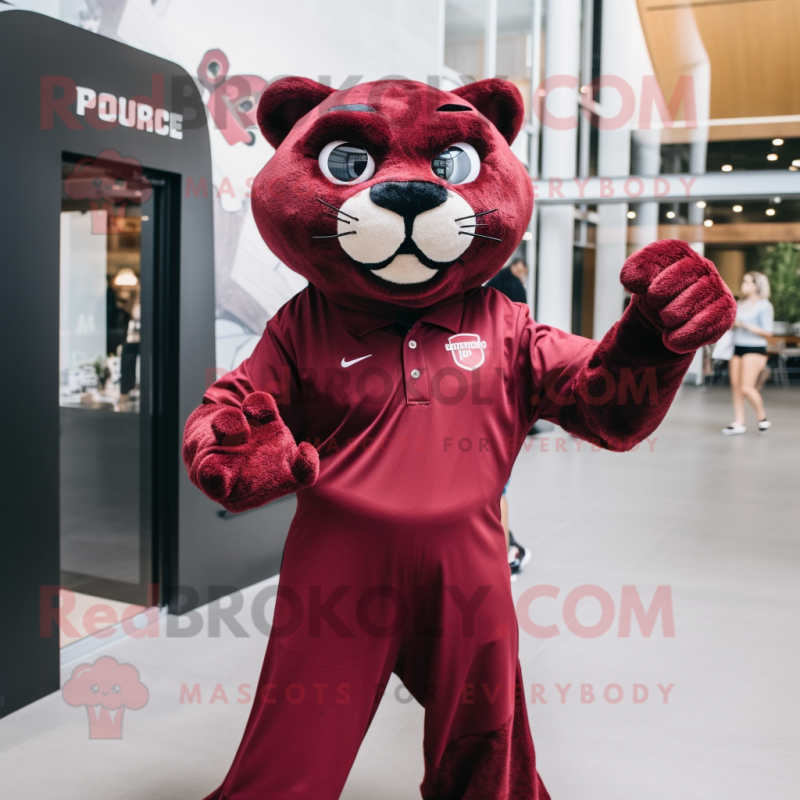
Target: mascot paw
(245,458)
(681,293)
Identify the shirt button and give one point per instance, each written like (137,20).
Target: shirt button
(412,344)
(415,373)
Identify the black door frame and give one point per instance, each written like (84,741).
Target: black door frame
(35,53)
(165,430)
(205,554)
(160,282)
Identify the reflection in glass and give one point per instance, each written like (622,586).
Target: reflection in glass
(105,527)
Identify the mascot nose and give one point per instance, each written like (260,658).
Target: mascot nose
(408,198)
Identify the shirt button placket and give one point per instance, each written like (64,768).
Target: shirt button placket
(414,373)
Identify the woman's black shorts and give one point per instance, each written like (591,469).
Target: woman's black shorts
(741,350)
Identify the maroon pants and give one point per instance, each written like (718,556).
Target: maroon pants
(357,602)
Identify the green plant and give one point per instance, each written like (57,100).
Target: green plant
(102,371)
(781,264)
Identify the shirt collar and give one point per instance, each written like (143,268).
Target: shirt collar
(446,314)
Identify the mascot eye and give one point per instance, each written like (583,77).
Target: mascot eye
(460,163)
(341,162)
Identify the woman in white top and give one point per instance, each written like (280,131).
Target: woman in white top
(753,324)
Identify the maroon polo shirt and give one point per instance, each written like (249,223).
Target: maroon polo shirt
(414,423)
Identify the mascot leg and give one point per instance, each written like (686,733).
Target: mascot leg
(459,659)
(499,764)
(295,746)
(323,674)
(436,610)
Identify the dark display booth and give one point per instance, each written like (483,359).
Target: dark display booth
(107,325)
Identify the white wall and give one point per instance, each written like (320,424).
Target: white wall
(270,38)
(303,37)
(335,43)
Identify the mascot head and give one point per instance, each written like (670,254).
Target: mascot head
(392,191)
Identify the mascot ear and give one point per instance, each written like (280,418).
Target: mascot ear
(284,102)
(499,101)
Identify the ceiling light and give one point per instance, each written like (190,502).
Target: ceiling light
(727,167)
(776,199)
(737,209)
(585,89)
(777,142)
(772,157)
(708,223)
(793,169)
(701,203)
(527,236)
(670,215)
(126,277)
(770,212)
(631,215)
(796,162)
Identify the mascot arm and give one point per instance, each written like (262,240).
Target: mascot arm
(614,393)
(236,447)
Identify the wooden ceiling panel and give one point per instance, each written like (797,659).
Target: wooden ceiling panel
(751,45)
(747,233)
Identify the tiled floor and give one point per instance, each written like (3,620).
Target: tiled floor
(712,518)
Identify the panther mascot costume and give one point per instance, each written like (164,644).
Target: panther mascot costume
(393,395)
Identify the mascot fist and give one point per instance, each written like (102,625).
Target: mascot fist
(681,293)
(243,458)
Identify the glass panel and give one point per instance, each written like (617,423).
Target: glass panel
(105,547)
(739,235)
(769,153)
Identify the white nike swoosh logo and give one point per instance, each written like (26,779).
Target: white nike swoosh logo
(346,364)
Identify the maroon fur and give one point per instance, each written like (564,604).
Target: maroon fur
(284,103)
(403,135)
(681,293)
(623,393)
(500,764)
(243,460)
(499,101)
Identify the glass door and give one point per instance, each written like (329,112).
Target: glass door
(106,368)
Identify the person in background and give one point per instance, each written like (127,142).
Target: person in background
(117,319)
(511,282)
(754,319)
(518,556)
